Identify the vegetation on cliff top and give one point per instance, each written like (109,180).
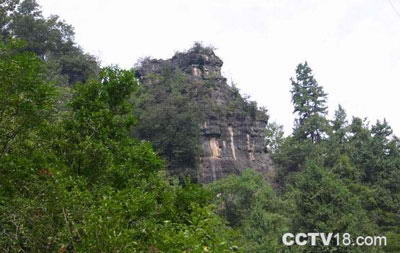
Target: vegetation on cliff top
(73,179)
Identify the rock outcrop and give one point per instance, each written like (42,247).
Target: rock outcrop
(231,129)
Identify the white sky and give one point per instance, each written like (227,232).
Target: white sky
(353,46)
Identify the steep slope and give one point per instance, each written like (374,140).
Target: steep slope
(230,128)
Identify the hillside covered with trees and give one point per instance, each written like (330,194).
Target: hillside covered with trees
(103,159)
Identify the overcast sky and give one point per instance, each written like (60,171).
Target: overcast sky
(353,46)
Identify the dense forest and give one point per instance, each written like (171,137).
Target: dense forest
(92,160)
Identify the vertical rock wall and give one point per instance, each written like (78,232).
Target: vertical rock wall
(230,146)
(232,129)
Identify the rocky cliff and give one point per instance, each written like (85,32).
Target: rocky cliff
(231,128)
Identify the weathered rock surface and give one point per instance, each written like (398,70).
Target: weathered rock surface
(232,129)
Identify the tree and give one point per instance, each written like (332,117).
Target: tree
(339,123)
(170,119)
(337,143)
(99,122)
(49,38)
(273,136)
(309,100)
(26,99)
(324,203)
(250,205)
(311,126)
(27,113)
(6,6)
(76,181)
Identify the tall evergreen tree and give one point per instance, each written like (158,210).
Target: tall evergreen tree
(309,100)
(339,122)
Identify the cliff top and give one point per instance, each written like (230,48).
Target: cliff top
(198,55)
(199,61)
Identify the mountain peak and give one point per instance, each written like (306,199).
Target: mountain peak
(199,61)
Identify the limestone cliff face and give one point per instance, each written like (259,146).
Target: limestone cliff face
(229,146)
(231,129)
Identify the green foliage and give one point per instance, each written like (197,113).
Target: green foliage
(346,181)
(173,106)
(170,120)
(25,107)
(345,169)
(100,120)
(145,218)
(251,206)
(292,156)
(309,101)
(26,110)
(49,38)
(324,203)
(273,137)
(75,181)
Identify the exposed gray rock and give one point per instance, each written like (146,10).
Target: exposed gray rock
(232,129)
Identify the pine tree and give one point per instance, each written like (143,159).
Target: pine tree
(309,100)
(339,122)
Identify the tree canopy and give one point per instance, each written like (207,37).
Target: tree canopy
(86,155)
